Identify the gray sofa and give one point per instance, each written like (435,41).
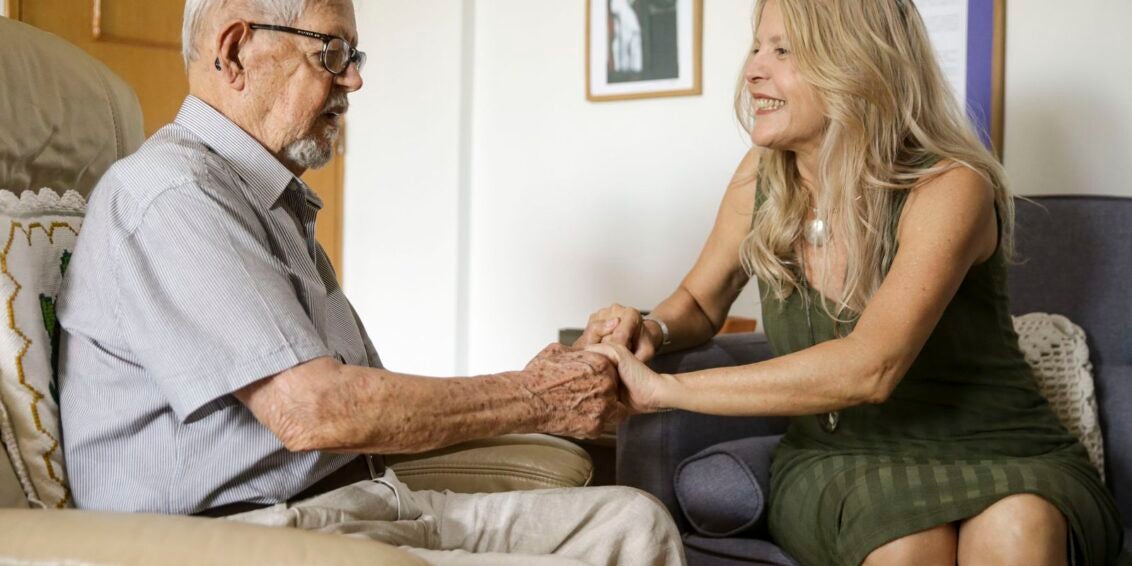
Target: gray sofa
(1075,259)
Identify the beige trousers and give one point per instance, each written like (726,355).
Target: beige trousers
(603,526)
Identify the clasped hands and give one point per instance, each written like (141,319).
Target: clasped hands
(602,378)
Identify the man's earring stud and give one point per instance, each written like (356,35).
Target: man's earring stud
(216,63)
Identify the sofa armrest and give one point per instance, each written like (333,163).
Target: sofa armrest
(650,447)
(91,537)
(510,462)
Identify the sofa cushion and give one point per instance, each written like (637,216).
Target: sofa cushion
(722,489)
(706,551)
(37,235)
(1056,349)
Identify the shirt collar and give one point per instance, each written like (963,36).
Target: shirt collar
(266,177)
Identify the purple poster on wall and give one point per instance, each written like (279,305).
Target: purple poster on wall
(980,65)
(963,33)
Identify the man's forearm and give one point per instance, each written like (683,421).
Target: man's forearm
(324,405)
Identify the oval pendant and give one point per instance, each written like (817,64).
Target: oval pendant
(816,232)
(830,421)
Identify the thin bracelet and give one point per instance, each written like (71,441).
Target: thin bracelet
(665,339)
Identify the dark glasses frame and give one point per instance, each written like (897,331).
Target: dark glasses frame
(358,58)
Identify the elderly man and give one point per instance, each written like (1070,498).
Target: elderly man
(212,365)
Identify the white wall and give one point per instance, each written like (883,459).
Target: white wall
(403,181)
(1069,96)
(567,204)
(488,204)
(577,204)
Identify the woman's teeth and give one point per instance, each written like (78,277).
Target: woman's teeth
(769,104)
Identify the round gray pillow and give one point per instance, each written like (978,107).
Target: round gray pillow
(721,489)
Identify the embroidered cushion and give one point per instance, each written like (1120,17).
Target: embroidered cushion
(37,236)
(1056,349)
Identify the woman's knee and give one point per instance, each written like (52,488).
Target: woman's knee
(936,545)
(1019,529)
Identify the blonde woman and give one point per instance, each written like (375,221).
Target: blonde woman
(880,236)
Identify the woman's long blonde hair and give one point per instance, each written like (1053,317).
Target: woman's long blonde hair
(890,120)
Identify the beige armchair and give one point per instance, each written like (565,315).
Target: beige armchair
(65,119)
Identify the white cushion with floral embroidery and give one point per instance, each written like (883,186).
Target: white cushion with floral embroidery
(37,235)
(1056,349)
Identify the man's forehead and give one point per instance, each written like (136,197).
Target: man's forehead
(332,17)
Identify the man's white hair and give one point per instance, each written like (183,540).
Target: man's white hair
(280,12)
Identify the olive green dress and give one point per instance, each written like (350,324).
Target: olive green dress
(963,429)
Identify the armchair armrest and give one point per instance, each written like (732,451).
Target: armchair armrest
(511,462)
(92,537)
(650,447)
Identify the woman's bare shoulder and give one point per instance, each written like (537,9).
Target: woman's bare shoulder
(959,193)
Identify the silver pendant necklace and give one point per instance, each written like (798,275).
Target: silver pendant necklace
(816,231)
(829,421)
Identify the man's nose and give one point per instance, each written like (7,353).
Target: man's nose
(351,79)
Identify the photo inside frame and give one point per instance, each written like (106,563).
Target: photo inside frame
(643,42)
(642,48)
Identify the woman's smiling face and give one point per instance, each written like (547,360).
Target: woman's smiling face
(789,114)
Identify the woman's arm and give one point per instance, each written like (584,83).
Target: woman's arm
(948,226)
(697,308)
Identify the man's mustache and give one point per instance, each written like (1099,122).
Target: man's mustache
(338,103)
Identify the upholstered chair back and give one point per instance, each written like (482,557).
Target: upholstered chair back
(64,119)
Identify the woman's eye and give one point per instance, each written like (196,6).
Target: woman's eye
(782,51)
(755,51)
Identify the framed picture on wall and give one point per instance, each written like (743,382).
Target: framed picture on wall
(643,48)
(969,39)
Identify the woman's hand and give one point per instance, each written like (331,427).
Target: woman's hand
(642,389)
(622,326)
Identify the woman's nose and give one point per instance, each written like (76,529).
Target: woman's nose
(754,70)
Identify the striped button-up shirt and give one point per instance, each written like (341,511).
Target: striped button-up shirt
(196,274)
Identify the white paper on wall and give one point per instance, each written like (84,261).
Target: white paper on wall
(946,21)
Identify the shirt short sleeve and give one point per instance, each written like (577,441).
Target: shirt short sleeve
(207,303)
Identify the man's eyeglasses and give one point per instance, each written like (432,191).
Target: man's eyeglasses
(337,53)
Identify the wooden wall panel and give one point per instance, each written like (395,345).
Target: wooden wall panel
(137,23)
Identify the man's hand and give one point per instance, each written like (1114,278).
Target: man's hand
(575,389)
(621,326)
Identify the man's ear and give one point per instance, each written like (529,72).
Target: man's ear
(230,42)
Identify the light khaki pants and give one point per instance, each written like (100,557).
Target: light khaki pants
(594,525)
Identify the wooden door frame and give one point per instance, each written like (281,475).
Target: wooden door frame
(13,10)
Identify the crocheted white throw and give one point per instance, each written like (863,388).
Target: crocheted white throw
(37,235)
(1056,349)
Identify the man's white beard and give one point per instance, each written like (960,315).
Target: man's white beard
(317,148)
(311,152)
